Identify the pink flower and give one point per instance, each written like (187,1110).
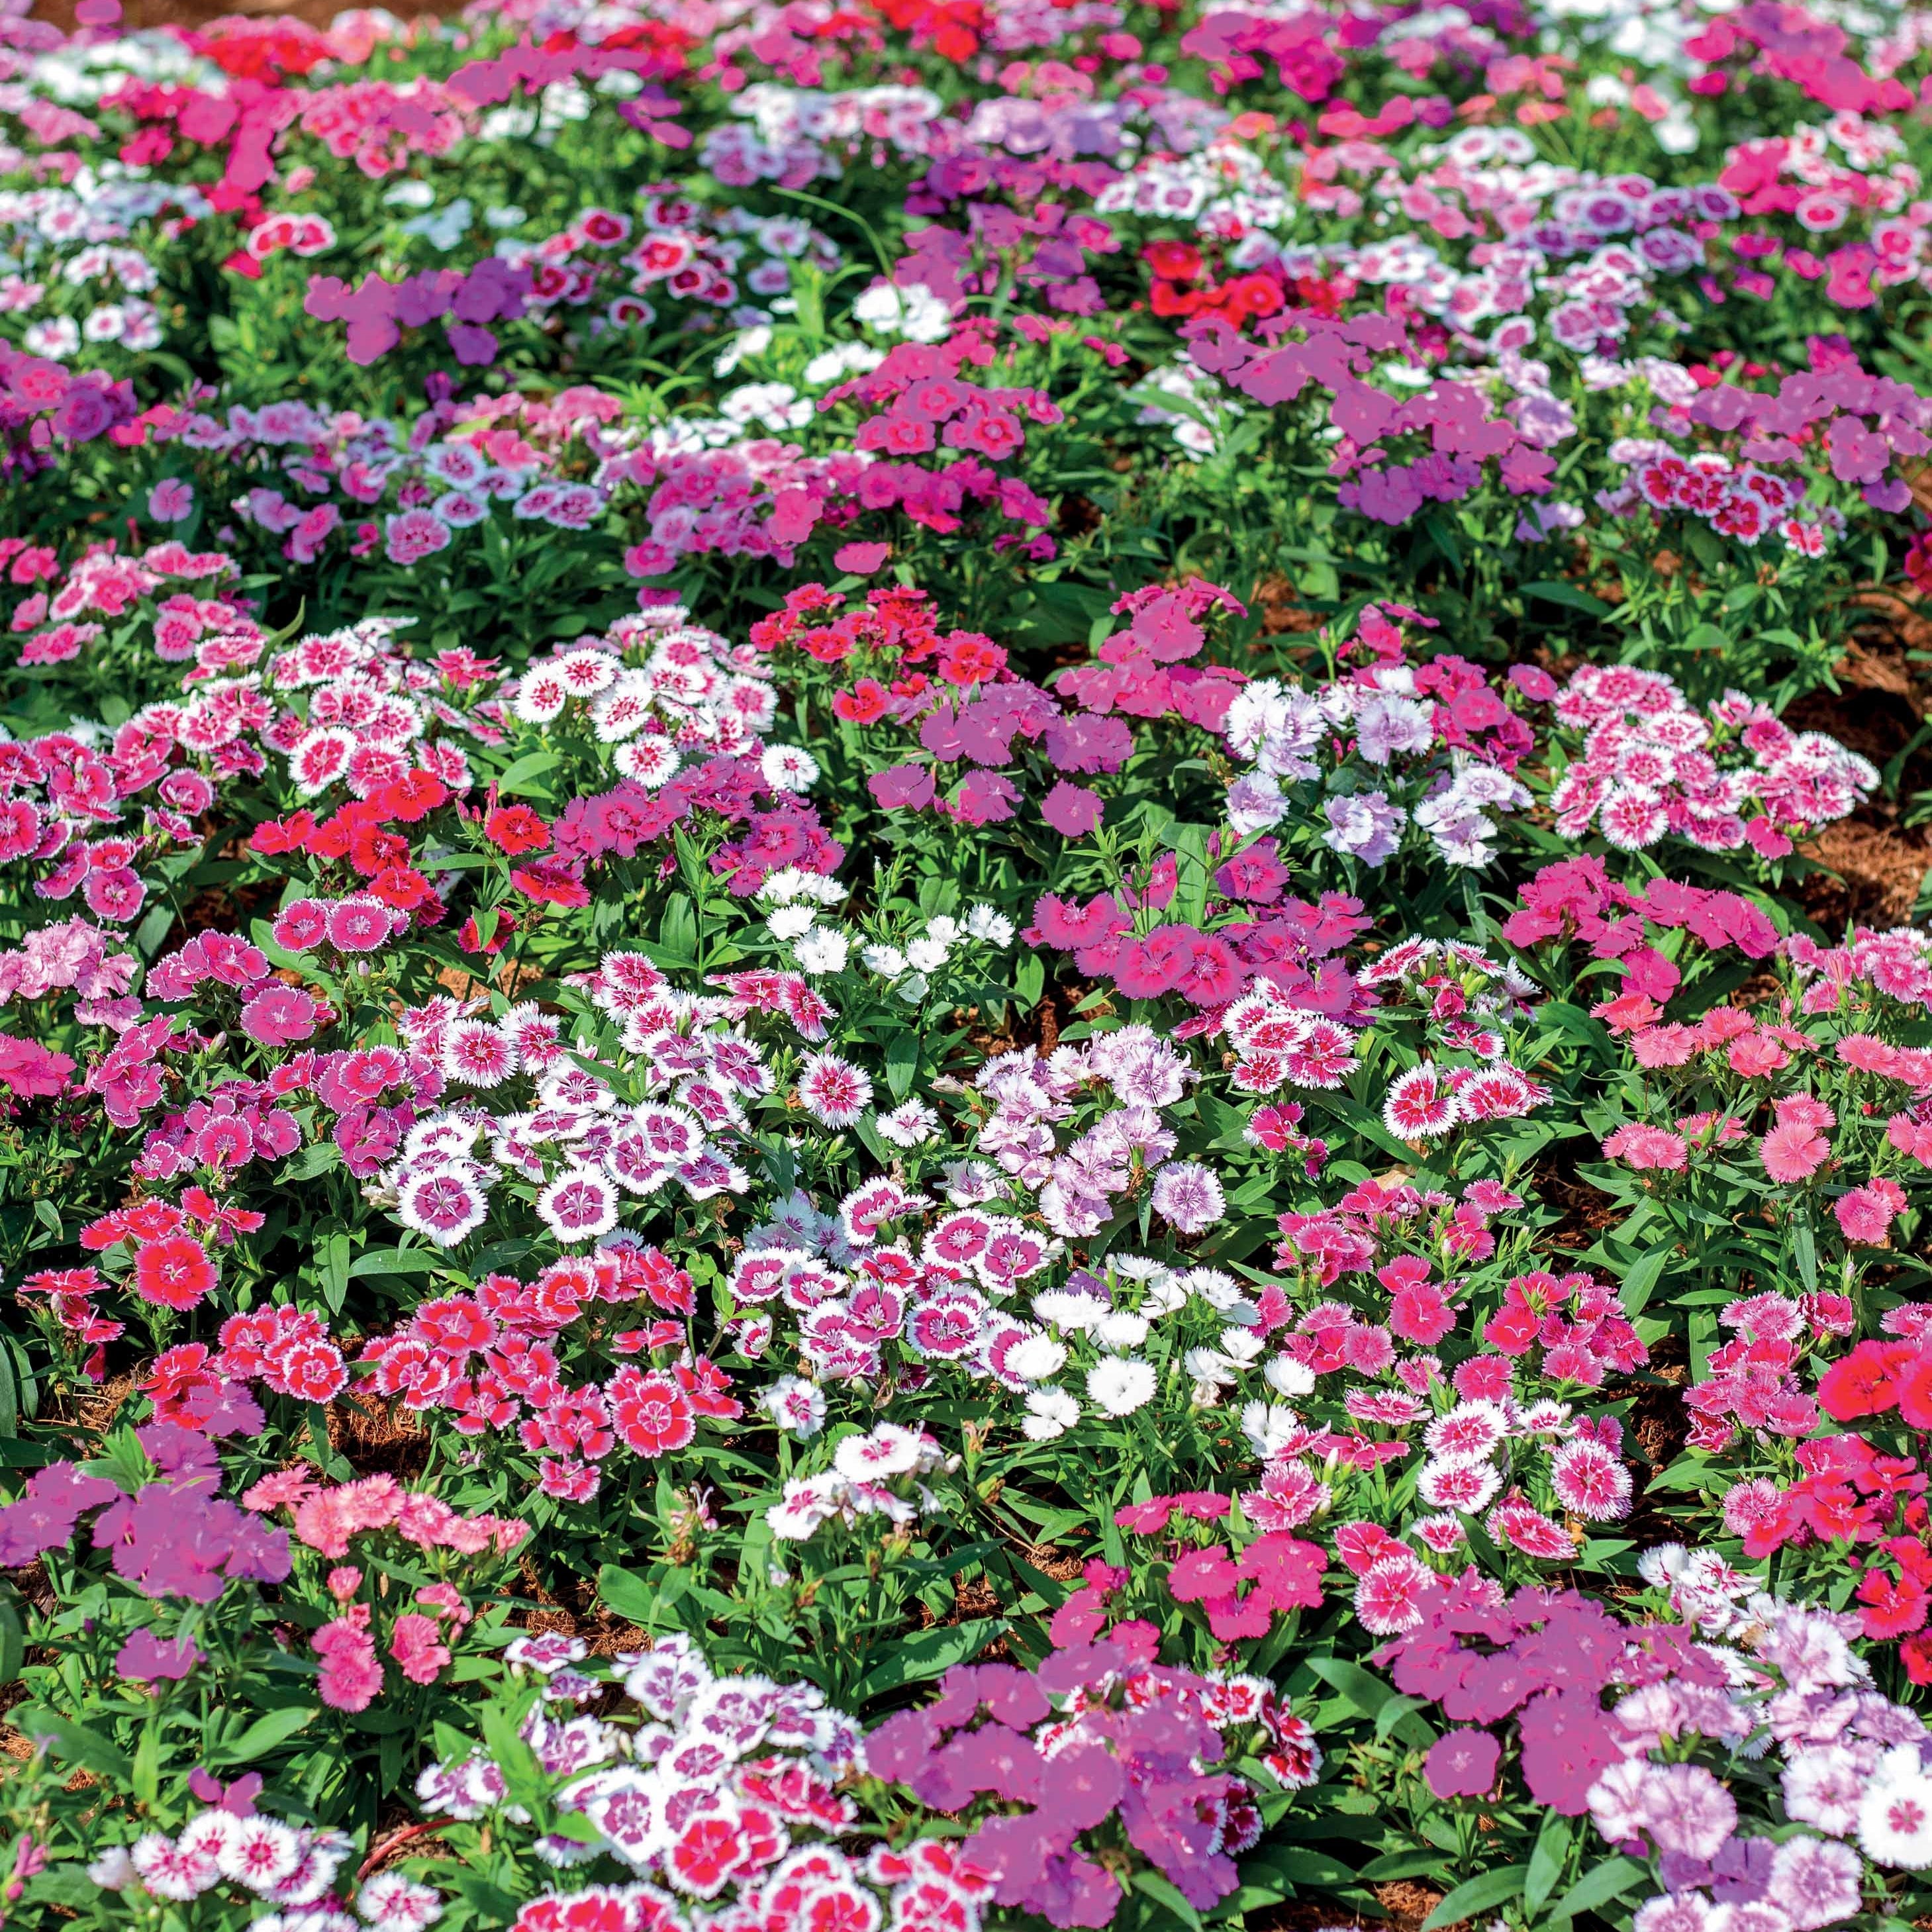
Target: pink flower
(30,1069)
(1866,1214)
(171,500)
(1389,1597)
(1072,810)
(278,1016)
(1647,1148)
(1793,1152)
(833,1090)
(1591,1481)
(351,1676)
(417,1645)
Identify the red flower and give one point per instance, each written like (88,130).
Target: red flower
(1174,261)
(862,704)
(291,834)
(413,796)
(1861,1384)
(516,830)
(551,882)
(1894,1606)
(174,1273)
(402,887)
(650,1412)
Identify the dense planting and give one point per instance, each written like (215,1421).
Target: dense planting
(931,989)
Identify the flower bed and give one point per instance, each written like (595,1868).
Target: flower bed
(919,1009)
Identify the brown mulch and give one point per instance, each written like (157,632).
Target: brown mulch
(140,13)
(1876,865)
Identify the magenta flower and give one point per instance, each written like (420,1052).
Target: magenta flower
(1462,1764)
(1072,810)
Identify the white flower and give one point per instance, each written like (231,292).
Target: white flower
(888,961)
(1241,1344)
(927,954)
(1268,1427)
(808,1502)
(1065,1309)
(579,1205)
(113,1871)
(1211,1371)
(1121,1385)
(746,342)
(1287,1376)
(395,1902)
(1118,1329)
(944,928)
(786,768)
(648,762)
(782,887)
(1050,1412)
(890,1450)
(910,1124)
(1895,1814)
(823,950)
(1035,1358)
(1188,1196)
(915,312)
(983,922)
(795,1404)
(791,922)
(541,696)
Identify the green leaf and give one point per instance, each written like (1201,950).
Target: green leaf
(1480,1893)
(146,1783)
(75,1743)
(332,1258)
(1401,1864)
(1163,1891)
(13,1640)
(1805,1245)
(263,1735)
(1640,1281)
(1610,1879)
(531,765)
(392,1260)
(902,1062)
(633,1597)
(316,1159)
(524,1783)
(677,930)
(1552,591)
(927,1654)
(1545,1860)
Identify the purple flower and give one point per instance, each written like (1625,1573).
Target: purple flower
(1566,1741)
(902,785)
(146,1659)
(1072,810)
(1462,1764)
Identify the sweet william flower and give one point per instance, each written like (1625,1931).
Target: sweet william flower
(1120,1384)
(1462,1763)
(174,1273)
(1793,1151)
